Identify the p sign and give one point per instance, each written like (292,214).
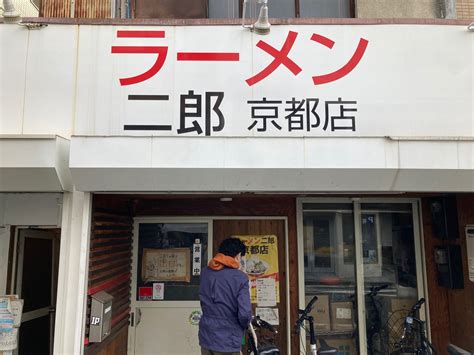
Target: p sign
(95,320)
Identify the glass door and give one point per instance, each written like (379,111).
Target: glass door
(390,272)
(329,274)
(168,257)
(362,259)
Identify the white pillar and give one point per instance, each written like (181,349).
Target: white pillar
(72,278)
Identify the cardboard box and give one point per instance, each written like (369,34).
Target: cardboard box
(320,313)
(342,317)
(345,346)
(394,304)
(399,306)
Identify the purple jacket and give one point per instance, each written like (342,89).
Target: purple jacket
(226,309)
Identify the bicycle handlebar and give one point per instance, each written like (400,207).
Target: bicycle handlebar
(418,305)
(374,290)
(263,324)
(310,305)
(304,313)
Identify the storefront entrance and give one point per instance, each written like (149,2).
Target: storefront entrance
(36,272)
(168,256)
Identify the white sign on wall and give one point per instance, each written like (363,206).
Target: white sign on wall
(298,81)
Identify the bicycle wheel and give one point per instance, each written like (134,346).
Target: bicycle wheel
(376,344)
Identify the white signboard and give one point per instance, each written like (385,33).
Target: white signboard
(298,81)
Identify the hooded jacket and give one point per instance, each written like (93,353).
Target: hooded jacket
(225,304)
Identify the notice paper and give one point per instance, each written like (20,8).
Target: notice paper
(269,315)
(10,318)
(158,291)
(266,292)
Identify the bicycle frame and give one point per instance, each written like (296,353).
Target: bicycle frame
(312,334)
(255,347)
(425,347)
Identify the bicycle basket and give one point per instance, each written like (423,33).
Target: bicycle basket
(394,328)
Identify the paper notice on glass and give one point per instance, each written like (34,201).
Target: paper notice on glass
(269,315)
(17,309)
(158,291)
(6,315)
(8,340)
(266,292)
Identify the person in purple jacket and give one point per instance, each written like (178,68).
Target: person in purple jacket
(225,301)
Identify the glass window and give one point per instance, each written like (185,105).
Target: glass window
(281,8)
(325,8)
(224,9)
(166,253)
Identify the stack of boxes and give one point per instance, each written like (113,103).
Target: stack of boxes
(337,316)
(334,316)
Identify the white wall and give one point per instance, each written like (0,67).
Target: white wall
(17,209)
(37,80)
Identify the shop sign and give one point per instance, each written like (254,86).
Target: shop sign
(197,258)
(298,81)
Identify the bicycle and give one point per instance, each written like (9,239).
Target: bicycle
(266,345)
(304,316)
(373,320)
(414,339)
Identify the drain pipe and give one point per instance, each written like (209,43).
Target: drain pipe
(449,9)
(10,15)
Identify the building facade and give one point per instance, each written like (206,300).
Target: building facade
(340,150)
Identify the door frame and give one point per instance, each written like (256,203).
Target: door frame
(17,269)
(359,267)
(210,240)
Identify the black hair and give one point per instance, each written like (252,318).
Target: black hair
(232,247)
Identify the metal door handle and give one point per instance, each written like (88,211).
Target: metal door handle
(138,316)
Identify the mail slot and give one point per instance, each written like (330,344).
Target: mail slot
(101,317)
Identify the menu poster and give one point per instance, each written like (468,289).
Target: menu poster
(166,265)
(261,262)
